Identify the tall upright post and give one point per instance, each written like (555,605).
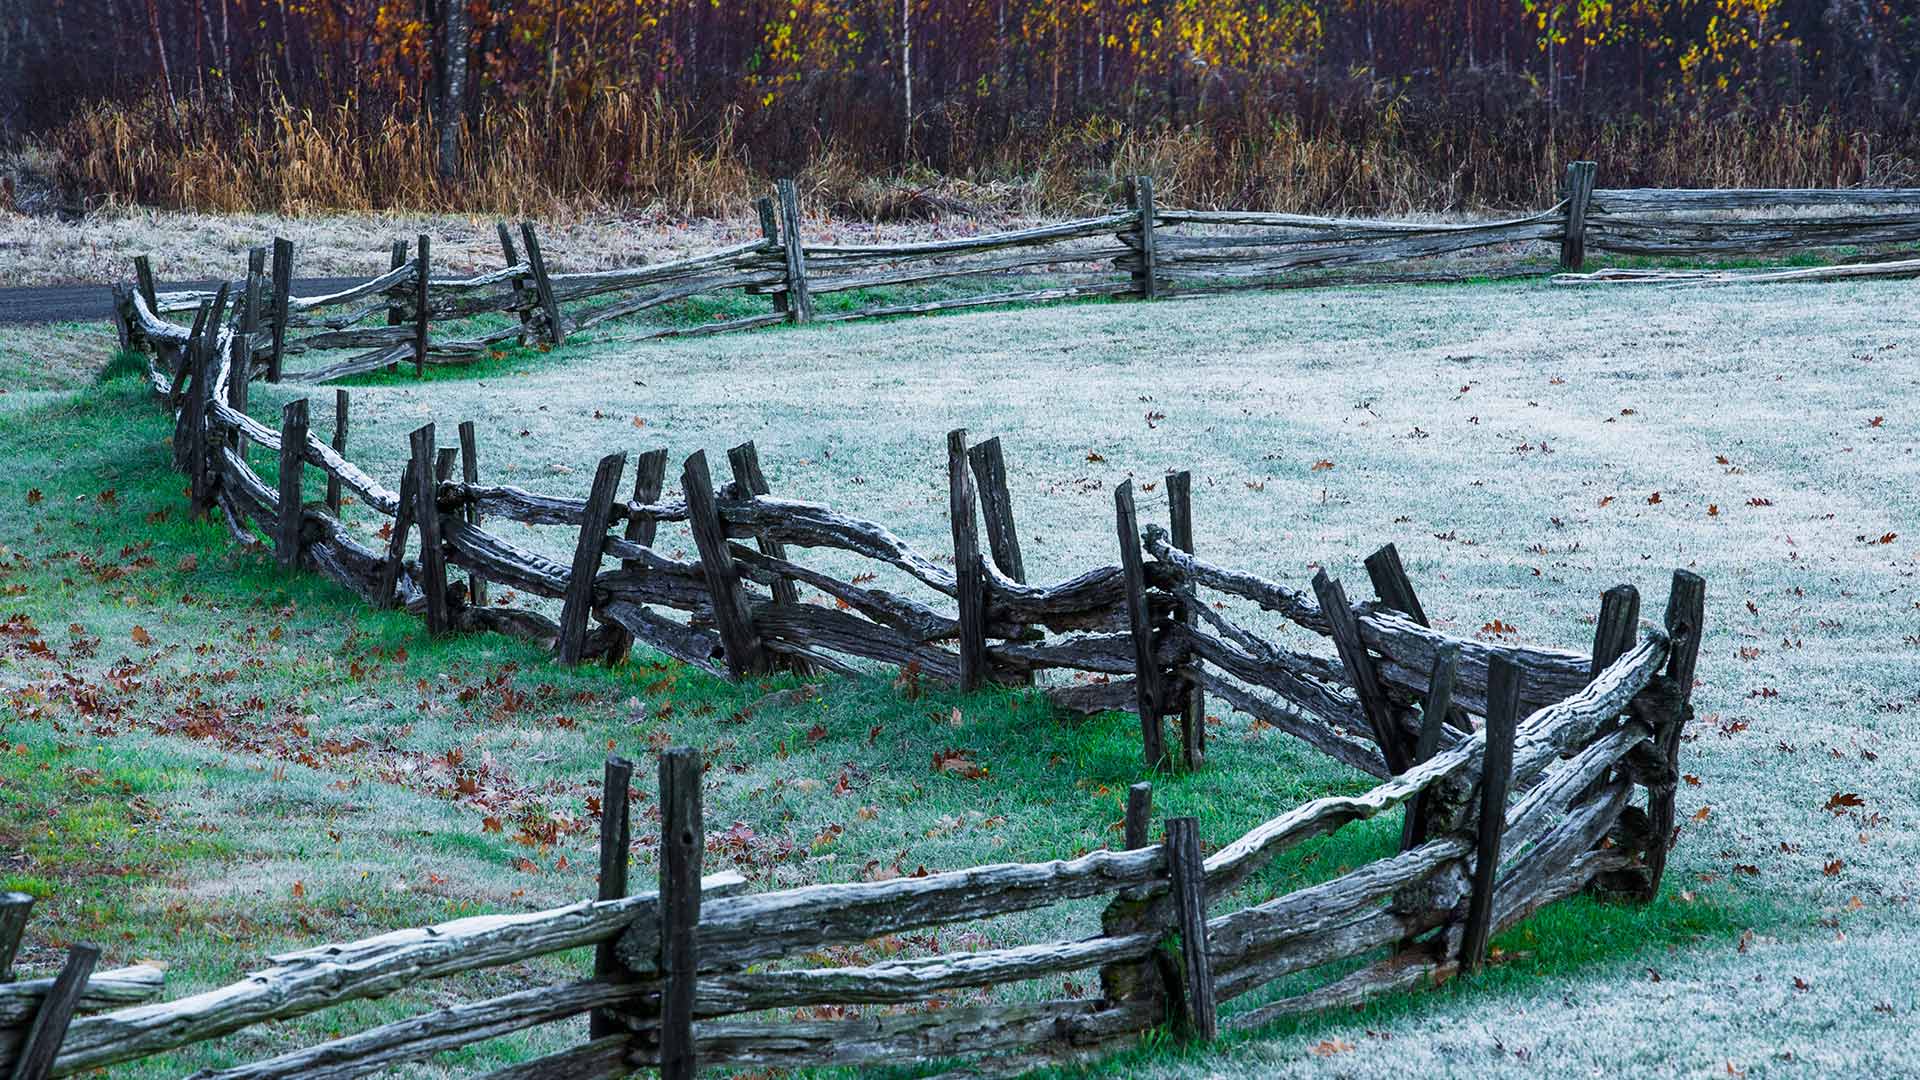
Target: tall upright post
(745,461)
(423,248)
(682,839)
(1149,693)
(143,274)
(293,463)
(542,283)
(341,409)
(770,232)
(1573,246)
(470,476)
(1190,915)
(1193,703)
(616,842)
(799,300)
(1496,780)
(519,283)
(1146,279)
(282,298)
(578,605)
(426,513)
(732,616)
(1686,609)
(649,476)
(969,569)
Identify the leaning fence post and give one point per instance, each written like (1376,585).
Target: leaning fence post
(1496,779)
(1190,914)
(745,462)
(1686,608)
(426,513)
(1149,695)
(1361,671)
(770,232)
(34,1060)
(14,909)
(387,593)
(682,838)
(1573,246)
(649,476)
(969,569)
(520,304)
(616,841)
(282,295)
(542,284)
(293,463)
(1433,718)
(470,476)
(799,300)
(1146,279)
(594,524)
(1193,707)
(734,619)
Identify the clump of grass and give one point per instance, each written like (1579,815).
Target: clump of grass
(124,364)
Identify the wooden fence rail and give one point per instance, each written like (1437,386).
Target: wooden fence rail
(1144,251)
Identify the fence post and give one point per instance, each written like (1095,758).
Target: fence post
(143,274)
(470,476)
(1573,246)
(799,301)
(745,462)
(770,232)
(34,1060)
(649,476)
(340,416)
(1360,671)
(386,595)
(1139,814)
(293,464)
(1190,913)
(542,284)
(1193,699)
(969,569)
(1686,608)
(996,508)
(1496,779)
(732,616)
(426,513)
(250,315)
(682,838)
(14,909)
(519,283)
(1146,279)
(282,293)
(578,605)
(199,395)
(1433,719)
(1149,695)
(423,247)
(616,840)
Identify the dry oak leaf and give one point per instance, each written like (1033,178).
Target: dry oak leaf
(958,763)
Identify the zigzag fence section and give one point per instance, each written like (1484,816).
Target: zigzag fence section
(409,316)
(1521,775)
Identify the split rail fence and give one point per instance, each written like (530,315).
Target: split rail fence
(409,316)
(1522,775)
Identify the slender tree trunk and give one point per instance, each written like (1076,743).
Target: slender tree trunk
(160,48)
(453,61)
(906,80)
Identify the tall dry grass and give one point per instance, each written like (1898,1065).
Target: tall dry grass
(628,150)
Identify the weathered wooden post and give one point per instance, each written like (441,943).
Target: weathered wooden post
(969,569)
(341,403)
(1686,609)
(770,232)
(34,1059)
(282,296)
(732,616)
(1190,917)
(578,605)
(387,594)
(421,315)
(542,284)
(799,301)
(520,302)
(1414,828)
(14,909)
(470,476)
(1496,780)
(1146,278)
(1149,693)
(293,463)
(682,839)
(1361,671)
(143,274)
(745,461)
(1573,246)
(1139,815)
(1193,699)
(989,466)
(426,513)
(616,841)
(649,476)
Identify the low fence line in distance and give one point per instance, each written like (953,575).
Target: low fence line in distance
(1143,251)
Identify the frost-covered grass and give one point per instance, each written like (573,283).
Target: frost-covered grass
(1510,440)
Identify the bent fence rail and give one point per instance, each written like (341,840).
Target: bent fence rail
(1564,783)
(1141,251)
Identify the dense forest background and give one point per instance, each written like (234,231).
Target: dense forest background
(511,104)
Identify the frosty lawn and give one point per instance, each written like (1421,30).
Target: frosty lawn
(1517,443)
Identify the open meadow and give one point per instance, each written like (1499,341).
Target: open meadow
(208,760)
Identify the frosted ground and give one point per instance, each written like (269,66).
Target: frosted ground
(1525,447)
